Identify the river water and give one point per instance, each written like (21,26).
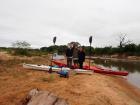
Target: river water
(133,67)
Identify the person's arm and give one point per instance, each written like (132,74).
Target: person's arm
(72,51)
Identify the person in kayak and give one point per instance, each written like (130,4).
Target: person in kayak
(75,55)
(81,57)
(69,53)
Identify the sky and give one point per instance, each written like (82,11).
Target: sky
(38,21)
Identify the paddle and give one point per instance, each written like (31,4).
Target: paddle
(54,40)
(90,41)
(50,70)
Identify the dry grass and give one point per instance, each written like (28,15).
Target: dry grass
(16,82)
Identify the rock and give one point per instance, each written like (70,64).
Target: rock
(61,102)
(36,97)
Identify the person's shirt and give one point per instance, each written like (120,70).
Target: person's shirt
(75,53)
(81,56)
(69,52)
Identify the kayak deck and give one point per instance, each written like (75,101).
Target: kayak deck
(54,68)
(43,67)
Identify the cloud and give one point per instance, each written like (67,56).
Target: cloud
(70,20)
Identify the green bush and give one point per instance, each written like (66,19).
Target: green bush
(22,52)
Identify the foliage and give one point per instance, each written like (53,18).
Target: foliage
(87,50)
(122,40)
(76,44)
(21,48)
(22,52)
(130,49)
(21,44)
(52,49)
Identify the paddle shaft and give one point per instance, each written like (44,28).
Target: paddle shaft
(54,40)
(90,41)
(89,55)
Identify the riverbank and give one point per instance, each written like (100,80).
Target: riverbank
(96,89)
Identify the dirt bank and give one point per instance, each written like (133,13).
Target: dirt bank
(96,89)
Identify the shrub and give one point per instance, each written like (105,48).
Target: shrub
(22,52)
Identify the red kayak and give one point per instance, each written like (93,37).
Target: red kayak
(96,69)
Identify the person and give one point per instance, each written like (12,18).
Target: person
(81,57)
(69,53)
(75,56)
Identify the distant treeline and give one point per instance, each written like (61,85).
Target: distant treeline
(128,50)
(54,49)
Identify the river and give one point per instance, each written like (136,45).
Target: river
(133,67)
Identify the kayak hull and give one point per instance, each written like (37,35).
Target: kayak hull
(96,69)
(43,67)
(81,71)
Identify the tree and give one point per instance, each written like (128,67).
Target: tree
(130,49)
(21,48)
(76,44)
(21,44)
(87,50)
(107,50)
(122,40)
(138,50)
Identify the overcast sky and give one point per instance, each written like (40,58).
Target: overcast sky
(37,21)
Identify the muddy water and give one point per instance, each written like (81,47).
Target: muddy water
(133,67)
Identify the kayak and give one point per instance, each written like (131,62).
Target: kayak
(108,71)
(55,68)
(81,71)
(95,69)
(43,67)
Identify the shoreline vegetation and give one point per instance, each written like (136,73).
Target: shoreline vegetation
(96,89)
(122,51)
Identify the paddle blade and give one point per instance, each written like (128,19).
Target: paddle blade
(54,39)
(90,39)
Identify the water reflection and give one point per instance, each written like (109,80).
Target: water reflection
(119,65)
(132,67)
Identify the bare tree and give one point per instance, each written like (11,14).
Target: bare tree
(21,44)
(76,44)
(122,40)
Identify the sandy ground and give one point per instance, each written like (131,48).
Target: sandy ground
(96,89)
